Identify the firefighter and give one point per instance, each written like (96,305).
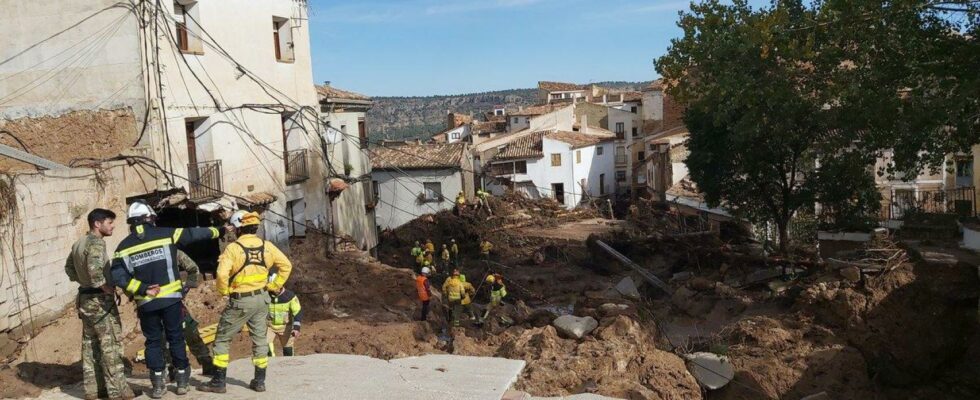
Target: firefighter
(144,266)
(285,313)
(455,252)
(453,290)
(417,253)
(445,256)
(485,248)
(243,275)
(497,292)
(192,333)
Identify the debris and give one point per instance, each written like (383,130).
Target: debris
(851,273)
(711,370)
(611,309)
(627,288)
(575,327)
(643,272)
(817,396)
(682,276)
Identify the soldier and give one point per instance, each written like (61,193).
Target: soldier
(192,334)
(101,328)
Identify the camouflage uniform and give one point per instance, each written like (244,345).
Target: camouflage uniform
(192,334)
(102,353)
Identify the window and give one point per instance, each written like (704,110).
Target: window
(556,160)
(598,150)
(515,120)
(375,191)
(282,39)
(620,155)
(455,135)
(578,156)
(620,127)
(527,120)
(635,132)
(640,156)
(633,109)
(362,132)
(433,191)
(620,176)
(556,96)
(602,184)
(520,167)
(964,168)
(187,33)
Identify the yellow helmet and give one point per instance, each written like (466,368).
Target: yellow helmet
(490,279)
(251,218)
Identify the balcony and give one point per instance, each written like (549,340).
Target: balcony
(296,166)
(204,180)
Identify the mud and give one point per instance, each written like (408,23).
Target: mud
(74,135)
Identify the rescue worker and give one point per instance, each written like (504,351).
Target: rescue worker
(469,292)
(497,292)
(424,290)
(144,265)
(482,201)
(192,333)
(453,290)
(460,203)
(429,246)
(445,256)
(285,314)
(243,275)
(485,247)
(102,353)
(455,251)
(430,260)
(416,253)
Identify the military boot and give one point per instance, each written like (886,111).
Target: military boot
(126,394)
(258,384)
(183,380)
(217,383)
(287,351)
(207,367)
(159,387)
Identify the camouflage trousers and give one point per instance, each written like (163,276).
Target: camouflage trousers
(102,349)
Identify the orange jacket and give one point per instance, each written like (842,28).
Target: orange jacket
(422,286)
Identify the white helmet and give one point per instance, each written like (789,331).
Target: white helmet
(140,209)
(236,218)
(425,270)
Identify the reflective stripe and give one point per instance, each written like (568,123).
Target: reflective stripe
(134,285)
(220,360)
(168,291)
(177,233)
(142,247)
(139,229)
(215,233)
(260,362)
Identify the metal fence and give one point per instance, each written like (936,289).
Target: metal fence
(296,166)
(205,180)
(959,201)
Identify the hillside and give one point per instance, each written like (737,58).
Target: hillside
(423,116)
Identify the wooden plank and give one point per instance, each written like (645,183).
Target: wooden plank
(647,275)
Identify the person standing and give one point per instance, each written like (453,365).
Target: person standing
(102,356)
(445,257)
(417,254)
(243,275)
(453,290)
(455,252)
(192,333)
(424,290)
(144,265)
(285,314)
(497,292)
(485,248)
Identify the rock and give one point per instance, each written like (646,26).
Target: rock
(611,310)
(575,327)
(682,276)
(627,288)
(701,284)
(710,370)
(852,273)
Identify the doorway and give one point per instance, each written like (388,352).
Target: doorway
(297,220)
(559,191)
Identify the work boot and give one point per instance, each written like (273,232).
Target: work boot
(207,367)
(183,380)
(258,384)
(159,388)
(171,374)
(217,383)
(287,351)
(126,394)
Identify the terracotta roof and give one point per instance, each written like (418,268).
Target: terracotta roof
(523,147)
(330,92)
(655,85)
(260,198)
(417,156)
(489,127)
(559,86)
(633,96)
(577,139)
(539,109)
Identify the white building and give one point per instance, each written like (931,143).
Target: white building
(567,166)
(195,106)
(352,208)
(411,180)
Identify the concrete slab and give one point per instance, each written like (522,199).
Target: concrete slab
(337,376)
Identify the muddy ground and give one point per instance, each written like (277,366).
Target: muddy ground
(908,333)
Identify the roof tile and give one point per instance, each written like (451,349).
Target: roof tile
(417,156)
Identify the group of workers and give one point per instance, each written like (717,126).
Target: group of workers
(482,202)
(424,255)
(147,266)
(457,291)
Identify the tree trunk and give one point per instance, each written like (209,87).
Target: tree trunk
(782,225)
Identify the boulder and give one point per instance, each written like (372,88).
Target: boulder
(701,284)
(852,274)
(575,327)
(682,276)
(627,288)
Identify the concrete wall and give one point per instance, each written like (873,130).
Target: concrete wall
(350,216)
(399,194)
(653,105)
(561,119)
(48,216)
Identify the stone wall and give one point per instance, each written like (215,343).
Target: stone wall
(44,213)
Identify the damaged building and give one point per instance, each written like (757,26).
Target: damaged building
(103,103)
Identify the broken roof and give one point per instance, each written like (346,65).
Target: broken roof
(577,139)
(327,92)
(418,156)
(539,109)
(559,86)
(530,146)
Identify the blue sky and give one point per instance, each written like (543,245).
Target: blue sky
(427,47)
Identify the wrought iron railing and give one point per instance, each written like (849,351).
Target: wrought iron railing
(205,180)
(959,201)
(296,166)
